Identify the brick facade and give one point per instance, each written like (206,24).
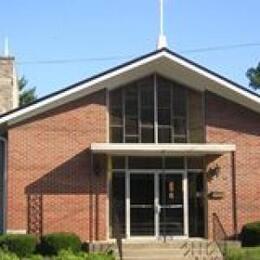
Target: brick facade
(50,183)
(51,186)
(227,122)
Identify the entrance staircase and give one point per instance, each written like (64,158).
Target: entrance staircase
(170,250)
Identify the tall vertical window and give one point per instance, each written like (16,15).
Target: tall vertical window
(133,110)
(147,111)
(116,116)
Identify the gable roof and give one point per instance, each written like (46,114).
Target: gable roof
(163,61)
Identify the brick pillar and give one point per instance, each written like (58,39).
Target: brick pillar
(9,93)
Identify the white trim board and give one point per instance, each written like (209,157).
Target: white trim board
(16,231)
(163,62)
(162,149)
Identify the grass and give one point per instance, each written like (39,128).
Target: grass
(244,253)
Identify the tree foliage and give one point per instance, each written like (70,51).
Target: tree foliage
(26,95)
(253,75)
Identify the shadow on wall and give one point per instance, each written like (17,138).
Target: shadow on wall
(73,177)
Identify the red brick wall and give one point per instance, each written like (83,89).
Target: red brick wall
(49,176)
(227,122)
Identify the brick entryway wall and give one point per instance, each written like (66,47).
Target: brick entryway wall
(51,186)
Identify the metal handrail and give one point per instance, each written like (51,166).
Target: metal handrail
(219,235)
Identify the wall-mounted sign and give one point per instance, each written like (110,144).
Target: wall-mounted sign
(216,195)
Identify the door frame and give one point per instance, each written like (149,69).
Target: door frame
(156,174)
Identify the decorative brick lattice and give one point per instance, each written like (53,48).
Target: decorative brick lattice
(35,214)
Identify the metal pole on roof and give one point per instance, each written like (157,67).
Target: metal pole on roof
(162,41)
(6,47)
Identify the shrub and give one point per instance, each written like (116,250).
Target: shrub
(8,256)
(100,256)
(69,255)
(21,245)
(250,235)
(51,244)
(34,257)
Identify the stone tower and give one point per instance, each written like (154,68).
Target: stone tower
(9,93)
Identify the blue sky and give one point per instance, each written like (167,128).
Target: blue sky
(90,29)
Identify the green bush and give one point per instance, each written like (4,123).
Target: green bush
(51,244)
(8,256)
(33,257)
(100,256)
(69,255)
(21,245)
(250,235)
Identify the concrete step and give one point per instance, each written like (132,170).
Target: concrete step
(171,250)
(168,244)
(159,257)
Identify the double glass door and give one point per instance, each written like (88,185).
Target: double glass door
(156,204)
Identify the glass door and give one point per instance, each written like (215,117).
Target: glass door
(156,205)
(171,205)
(142,214)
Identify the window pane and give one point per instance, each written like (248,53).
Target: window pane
(131,139)
(131,101)
(116,97)
(145,162)
(164,135)
(116,117)
(179,101)
(131,126)
(131,107)
(164,93)
(118,162)
(147,93)
(147,135)
(118,204)
(174,162)
(164,98)
(196,204)
(195,163)
(164,116)
(179,126)
(147,116)
(116,134)
(180,140)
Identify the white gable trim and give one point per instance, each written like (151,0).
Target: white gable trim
(141,66)
(217,79)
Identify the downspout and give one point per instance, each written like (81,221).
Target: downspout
(4,201)
(91,202)
(234,194)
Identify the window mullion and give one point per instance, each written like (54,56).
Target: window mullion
(172,115)
(155,109)
(139,114)
(123,106)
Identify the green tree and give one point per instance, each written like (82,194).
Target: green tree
(26,95)
(253,75)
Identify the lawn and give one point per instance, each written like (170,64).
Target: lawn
(244,253)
